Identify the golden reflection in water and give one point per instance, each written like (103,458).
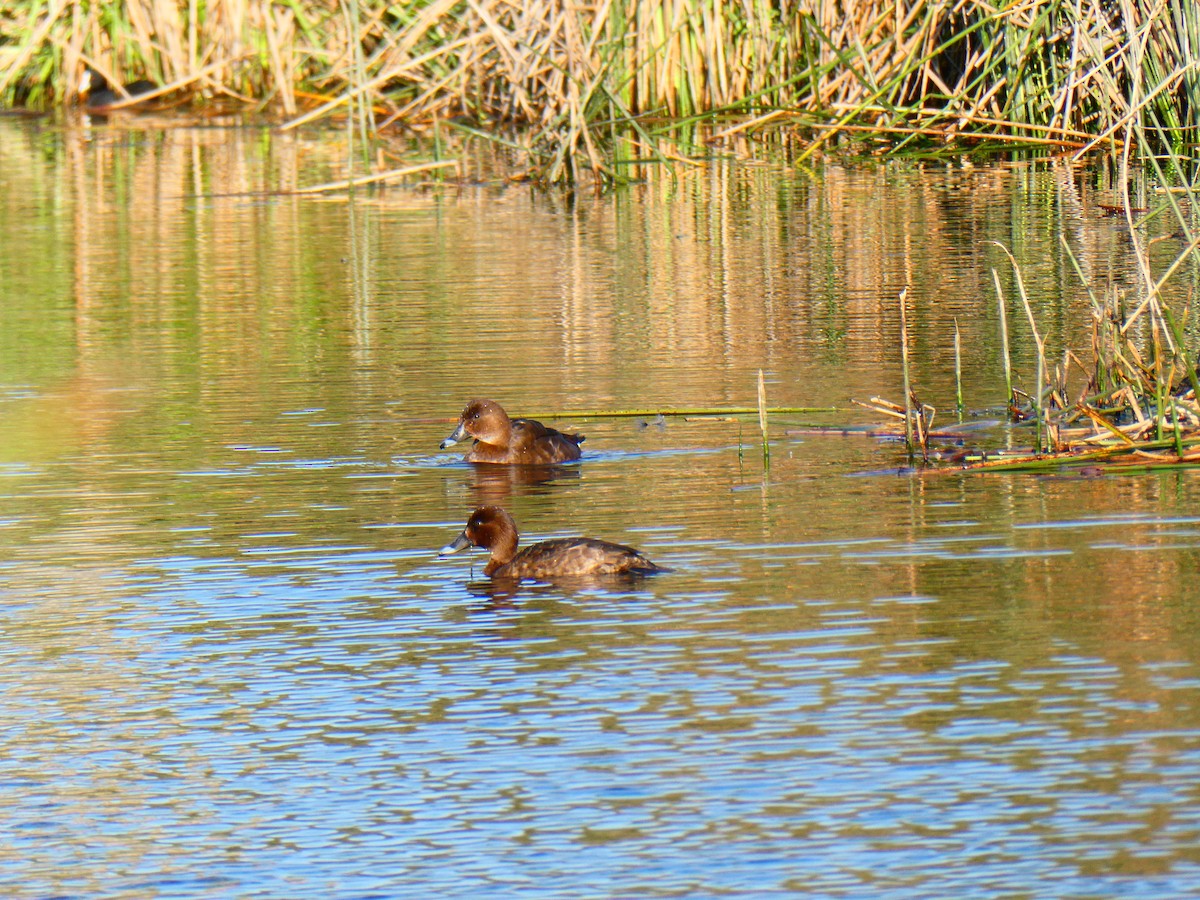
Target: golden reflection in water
(729,269)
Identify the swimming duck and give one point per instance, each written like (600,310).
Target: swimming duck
(499,439)
(100,96)
(492,528)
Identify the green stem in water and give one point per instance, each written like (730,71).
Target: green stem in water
(958,391)
(908,410)
(762,418)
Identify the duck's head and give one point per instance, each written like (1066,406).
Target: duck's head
(484,420)
(91,83)
(491,528)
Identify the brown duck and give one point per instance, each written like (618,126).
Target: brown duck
(492,528)
(499,439)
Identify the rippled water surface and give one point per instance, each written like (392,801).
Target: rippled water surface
(233,665)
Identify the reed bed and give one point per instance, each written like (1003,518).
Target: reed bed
(1136,395)
(1131,398)
(1137,387)
(583,89)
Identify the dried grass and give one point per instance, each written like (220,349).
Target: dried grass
(570,73)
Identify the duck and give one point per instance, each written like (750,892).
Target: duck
(100,95)
(492,528)
(499,439)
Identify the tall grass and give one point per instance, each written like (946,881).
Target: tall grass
(589,81)
(1139,397)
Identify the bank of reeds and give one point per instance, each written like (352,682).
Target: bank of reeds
(1131,397)
(589,83)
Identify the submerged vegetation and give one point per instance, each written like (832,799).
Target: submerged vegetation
(589,88)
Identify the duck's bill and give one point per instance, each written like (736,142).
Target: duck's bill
(455,436)
(459,543)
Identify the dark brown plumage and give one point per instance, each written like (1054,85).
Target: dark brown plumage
(100,95)
(492,528)
(499,439)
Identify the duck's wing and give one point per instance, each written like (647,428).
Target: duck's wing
(566,557)
(535,430)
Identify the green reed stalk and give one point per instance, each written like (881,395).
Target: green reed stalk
(762,418)
(360,109)
(958,389)
(1188,369)
(730,411)
(1039,394)
(908,406)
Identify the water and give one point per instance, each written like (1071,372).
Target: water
(232,664)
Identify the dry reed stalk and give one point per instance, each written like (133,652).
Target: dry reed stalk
(360,180)
(280,32)
(1042,369)
(884,407)
(1087,71)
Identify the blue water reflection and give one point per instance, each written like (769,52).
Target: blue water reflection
(302,720)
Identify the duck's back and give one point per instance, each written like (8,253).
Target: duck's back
(576,556)
(532,443)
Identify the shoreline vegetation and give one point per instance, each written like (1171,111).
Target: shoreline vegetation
(584,90)
(1132,399)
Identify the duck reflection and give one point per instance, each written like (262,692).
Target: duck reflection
(500,592)
(496,593)
(492,485)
